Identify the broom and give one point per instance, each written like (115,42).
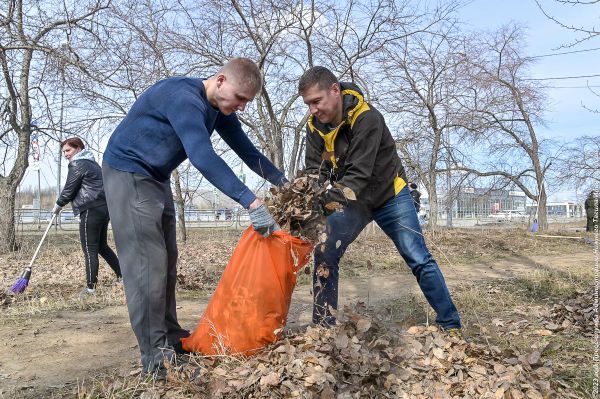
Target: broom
(23,281)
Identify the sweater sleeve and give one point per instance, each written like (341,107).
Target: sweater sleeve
(230,129)
(186,113)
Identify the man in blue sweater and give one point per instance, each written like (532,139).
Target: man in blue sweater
(171,121)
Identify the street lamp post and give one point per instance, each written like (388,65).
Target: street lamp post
(449,194)
(35,152)
(61,65)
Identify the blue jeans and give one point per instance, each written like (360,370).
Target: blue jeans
(397,217)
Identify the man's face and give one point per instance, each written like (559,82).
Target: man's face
(324,104)
(232,96)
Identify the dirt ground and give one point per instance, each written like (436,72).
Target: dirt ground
(53,353)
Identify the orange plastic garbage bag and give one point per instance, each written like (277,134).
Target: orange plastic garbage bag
(250,305)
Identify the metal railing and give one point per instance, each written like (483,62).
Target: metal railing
(34,219)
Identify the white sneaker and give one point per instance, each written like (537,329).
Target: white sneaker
(87,292)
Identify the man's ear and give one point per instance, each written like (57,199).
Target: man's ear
(335,88)
(220,79)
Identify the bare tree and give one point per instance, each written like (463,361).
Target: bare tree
(29,45)
(286,38)
(134,53)
(99,62)
(579,164)
(425,96)
(180,205)
(192,181)
(585,33)
(149,41)
(507,109)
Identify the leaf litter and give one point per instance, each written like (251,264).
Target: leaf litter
(575,315)
(362,357)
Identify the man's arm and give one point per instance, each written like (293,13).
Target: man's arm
(362,153)
(230,129)
(185,113)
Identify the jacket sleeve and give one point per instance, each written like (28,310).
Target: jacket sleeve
(362,153)
(72,185)
(230,129)
(313,157)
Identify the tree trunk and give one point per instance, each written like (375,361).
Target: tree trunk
(433,203)
(296,155)
(180,204)
(278,151)
(8,191)
(7,217)
(542,212)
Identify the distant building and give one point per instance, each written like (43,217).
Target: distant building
(210,198)
(566,209)
(474,202)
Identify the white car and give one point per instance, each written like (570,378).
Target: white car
(509,215)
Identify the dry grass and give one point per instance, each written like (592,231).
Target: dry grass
(55,299)
(503,314)
(59,272)
(512,313)
(456,246)
(500,313)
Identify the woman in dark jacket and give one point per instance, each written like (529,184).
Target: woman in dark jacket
(85,191)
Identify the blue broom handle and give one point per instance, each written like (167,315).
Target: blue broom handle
(42,240)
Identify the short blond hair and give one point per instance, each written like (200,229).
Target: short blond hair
(244,71)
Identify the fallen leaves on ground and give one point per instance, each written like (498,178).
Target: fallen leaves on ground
(362,357)
(575,315)
(4,299)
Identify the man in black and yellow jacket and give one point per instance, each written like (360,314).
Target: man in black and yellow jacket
(349,144)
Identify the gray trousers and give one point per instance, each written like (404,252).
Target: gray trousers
(143,221)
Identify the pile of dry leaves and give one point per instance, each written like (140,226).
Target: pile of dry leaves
(295,207)
(575,315)
(362,358)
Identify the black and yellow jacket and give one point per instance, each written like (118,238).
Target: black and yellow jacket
(360,153)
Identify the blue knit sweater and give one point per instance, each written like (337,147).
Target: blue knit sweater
(172,121)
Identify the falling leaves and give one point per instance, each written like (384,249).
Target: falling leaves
(333,206)
(326,155)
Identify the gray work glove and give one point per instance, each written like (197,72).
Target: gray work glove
(57,208)
(262,221)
